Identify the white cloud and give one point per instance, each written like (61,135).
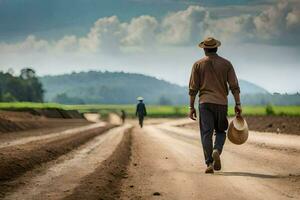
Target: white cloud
(140,31)
(271,21)
(232,29)
(109,35)
(186,27)
(279,22)
(183,27)
(30,44)
(104,35)
(293,18)
(67,43)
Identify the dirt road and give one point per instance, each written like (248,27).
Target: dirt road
(161,161)
(167,163)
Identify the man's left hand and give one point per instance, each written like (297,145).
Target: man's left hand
(193,114)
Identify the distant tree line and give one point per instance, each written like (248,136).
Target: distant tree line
(25,87)
(63,98)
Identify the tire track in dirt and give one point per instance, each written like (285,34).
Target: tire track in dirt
(83,172)
(105,182)
(16,160)
(69,132)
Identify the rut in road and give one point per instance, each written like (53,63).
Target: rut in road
(49,135)
(71,173)
(105,182)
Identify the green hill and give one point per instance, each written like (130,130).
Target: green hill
(110,88)
(119,88)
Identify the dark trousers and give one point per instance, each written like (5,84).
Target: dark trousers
(141,120)
(213,117)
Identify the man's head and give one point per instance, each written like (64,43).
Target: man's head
(210,45)
(140,99)
(208,50)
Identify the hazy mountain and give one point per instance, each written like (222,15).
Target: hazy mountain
(119,88)
(251,88)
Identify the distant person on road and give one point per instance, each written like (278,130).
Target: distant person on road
(211,77)
(141,111)
(123,116)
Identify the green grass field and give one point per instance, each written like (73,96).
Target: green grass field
(153,110)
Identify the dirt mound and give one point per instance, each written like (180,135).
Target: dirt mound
(16,121)
(12,121)
(13,115)
(57,113)
(105,182)
(275,124)
(49,112)
(74,114)
(16,160)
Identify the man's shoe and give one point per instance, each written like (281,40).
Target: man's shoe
(209,169)
(217,160)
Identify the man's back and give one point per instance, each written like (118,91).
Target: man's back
(211,76)
(141,109)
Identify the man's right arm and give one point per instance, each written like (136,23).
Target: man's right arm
(145,110)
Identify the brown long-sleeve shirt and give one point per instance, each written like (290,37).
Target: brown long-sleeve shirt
(211,77)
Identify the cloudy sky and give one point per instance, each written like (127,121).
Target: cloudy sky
(154,37)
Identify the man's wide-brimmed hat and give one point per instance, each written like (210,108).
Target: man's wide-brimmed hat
(140,98)
(238,130)
(210,43)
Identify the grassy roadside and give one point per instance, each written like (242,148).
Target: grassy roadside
(153,110)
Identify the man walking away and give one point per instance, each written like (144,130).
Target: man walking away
(123,116)
(141,111)
(210,77)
